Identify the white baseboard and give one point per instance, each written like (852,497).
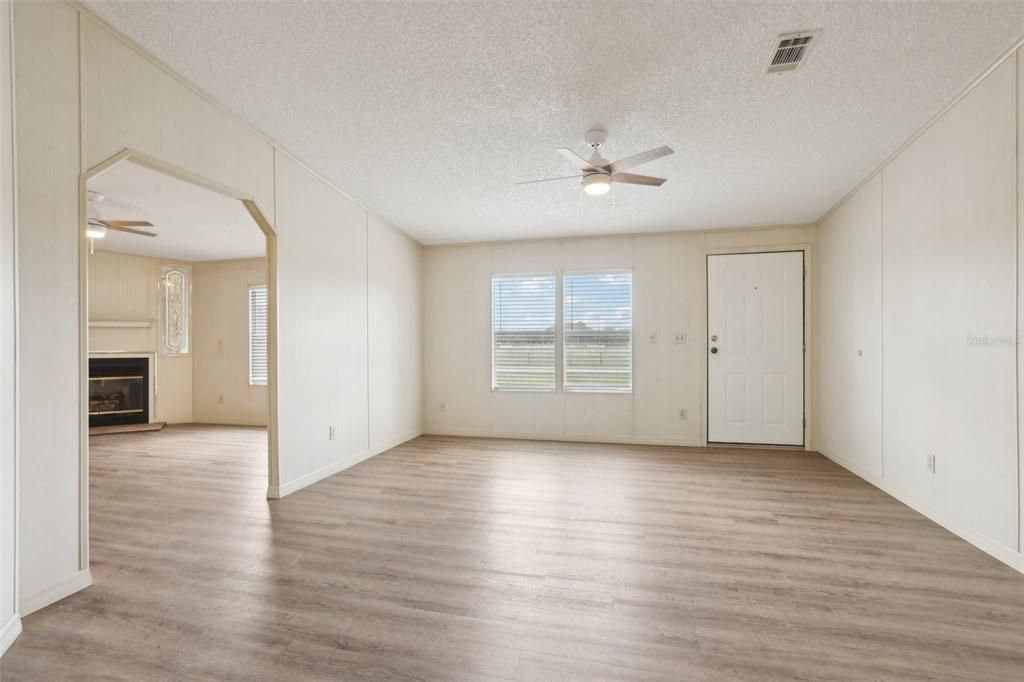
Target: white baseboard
(48,595)
(566,437)
(229,422)
(331,469)
(1007,555)
(9,632)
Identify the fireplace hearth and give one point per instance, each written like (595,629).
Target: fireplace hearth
(118,391)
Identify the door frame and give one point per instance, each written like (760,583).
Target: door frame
(808,365)
(129,155)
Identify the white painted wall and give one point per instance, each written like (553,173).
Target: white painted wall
(848,333)
(322,313)
(221,393)
(668,298)
(917,266)
(127,100)
(394,265)
(50,412)
(10,623)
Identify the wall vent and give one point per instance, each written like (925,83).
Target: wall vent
(790,50)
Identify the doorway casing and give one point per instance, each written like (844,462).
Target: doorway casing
(132,156)
(808,251)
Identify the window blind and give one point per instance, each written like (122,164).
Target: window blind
(598,331)
(258,336)
(523,332)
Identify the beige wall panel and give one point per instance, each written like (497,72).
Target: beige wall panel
(395,390)
(122,287)
(129,101)
(457,339)
(667,300)
(122,339)
(220,350)
(46,95)
(848,332)
(949,262)
(322,326)
(748,239)
(174,389)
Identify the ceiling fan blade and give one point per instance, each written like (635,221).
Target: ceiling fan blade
(638,159)
(574,158)
(130,230)
(632,179)
(564,177)
(127,223)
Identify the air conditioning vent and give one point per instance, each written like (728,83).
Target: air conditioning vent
(790,51)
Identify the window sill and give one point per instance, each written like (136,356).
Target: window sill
(598,391)
(522,390)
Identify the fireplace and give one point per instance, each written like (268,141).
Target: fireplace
(118,391)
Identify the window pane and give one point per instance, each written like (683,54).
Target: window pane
(258,336)
(523,327)
(598,331)
(175,316)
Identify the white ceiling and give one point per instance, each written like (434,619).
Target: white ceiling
(428,112)
(192,223)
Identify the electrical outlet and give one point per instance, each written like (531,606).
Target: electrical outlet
(444,406)
(683,415)
(330,433)
(220,399)
(653,337)
(931,462)
(681,337)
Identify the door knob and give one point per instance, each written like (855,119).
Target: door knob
(713,349)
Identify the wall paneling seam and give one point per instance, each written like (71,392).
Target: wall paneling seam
(1017,294)
(83,320)
(16,311)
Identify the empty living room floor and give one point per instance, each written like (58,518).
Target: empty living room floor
(473,559)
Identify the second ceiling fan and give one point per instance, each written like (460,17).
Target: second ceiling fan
(97,227)
(598,173)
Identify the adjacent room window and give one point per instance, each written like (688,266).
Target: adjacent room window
(175,314)
(258,336)
(523,332)
(598,331)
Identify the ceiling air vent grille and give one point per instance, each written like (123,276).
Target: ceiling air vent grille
(790,51)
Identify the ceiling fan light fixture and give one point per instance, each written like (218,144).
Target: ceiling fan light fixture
(597,184)
(95,232)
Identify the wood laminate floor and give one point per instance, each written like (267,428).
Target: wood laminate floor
(471,559)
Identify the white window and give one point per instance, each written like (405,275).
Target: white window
(523,332)
(258,336)
(598,331)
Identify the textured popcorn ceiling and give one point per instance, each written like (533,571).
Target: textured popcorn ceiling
(428,112)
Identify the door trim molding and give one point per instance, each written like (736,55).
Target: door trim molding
(129,155)
(807,249)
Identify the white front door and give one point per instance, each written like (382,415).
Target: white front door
(755,348)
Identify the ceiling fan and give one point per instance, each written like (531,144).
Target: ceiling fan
(96,227)
(598,173)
